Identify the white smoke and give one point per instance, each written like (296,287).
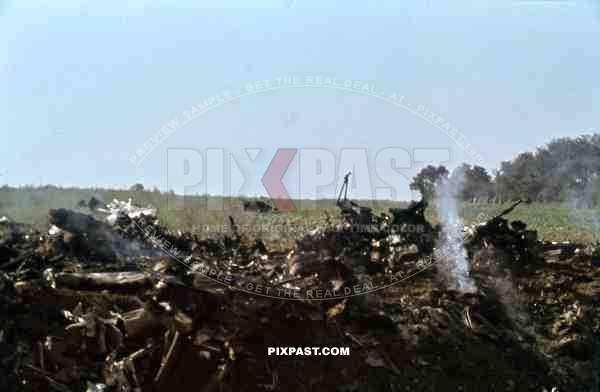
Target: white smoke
(455,266)
(583,209)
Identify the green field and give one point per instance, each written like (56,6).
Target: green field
(554,222)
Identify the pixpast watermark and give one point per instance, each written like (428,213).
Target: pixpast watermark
(317,172)
(307,81)
(187,165)
(318,169)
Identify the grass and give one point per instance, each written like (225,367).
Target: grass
(554,222)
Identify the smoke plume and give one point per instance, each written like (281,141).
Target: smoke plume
(581,209)
(454,267)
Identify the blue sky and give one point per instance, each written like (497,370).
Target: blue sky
(85,85)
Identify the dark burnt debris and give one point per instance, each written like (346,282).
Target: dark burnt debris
(117,302)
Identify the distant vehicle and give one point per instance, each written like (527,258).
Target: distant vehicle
(257,206)
(92,204)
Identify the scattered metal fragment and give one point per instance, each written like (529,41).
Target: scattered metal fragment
(467,318)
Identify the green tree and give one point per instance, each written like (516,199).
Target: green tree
(426,180)
(137,187)
(565,169)
(474,182)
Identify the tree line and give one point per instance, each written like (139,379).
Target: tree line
(564,170)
